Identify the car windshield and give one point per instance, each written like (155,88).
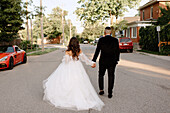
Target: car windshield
(125,40)
(6,49)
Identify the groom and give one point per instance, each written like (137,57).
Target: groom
(109,58)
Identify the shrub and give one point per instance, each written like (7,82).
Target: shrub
(165,34)
(149,38)
(165,49)
(27,45)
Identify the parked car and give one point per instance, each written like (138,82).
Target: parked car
(85,42)
(96,40)
(125,43)
(10,56)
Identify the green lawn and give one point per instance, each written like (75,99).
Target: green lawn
(31,50)
(47,50)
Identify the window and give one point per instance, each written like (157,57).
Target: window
(17,49)
(6,49)
(151,15)
(125,40)
(128,33)
(143,15)
(134,32)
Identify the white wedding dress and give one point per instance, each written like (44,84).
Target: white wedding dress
(69,86)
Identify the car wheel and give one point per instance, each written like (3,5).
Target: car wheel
(24,59)
(11,63)
(131,50)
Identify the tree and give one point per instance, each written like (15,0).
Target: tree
(30,11)
(37,26)
(164,16)
(93,31)
(55,27)
(52,25)
(28,36)
(164,22)
(119,26)
(11,19)
(94,10)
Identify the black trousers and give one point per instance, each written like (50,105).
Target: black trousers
(111,76)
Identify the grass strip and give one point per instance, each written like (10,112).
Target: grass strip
(153,52)
(47,50)
(31,50)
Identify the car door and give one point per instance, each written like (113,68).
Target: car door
(18,55)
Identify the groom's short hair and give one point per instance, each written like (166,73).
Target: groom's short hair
(107,30)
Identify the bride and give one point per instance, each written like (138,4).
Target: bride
(69,86)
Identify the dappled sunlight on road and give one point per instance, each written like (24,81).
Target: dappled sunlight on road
(141,72)
(145,69)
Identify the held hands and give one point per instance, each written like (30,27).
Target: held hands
(94,65)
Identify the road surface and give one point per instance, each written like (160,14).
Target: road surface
(142,84)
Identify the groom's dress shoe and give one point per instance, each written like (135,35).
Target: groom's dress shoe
(101,92)
(110,96)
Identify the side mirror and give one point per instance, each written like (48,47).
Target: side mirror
(16,49)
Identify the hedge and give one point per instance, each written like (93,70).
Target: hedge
(149,38)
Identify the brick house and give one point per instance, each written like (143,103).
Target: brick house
(149,13)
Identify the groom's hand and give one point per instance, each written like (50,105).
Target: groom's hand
(94,65)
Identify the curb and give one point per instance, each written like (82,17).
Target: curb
(156,56)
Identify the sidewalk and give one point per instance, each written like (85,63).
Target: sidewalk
(156,56)
(53,46)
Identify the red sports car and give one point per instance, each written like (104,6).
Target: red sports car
(125,43)
(10,56)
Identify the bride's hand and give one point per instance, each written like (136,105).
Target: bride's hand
(94,65)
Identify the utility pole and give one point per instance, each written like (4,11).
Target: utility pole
(42,35)
(28,36)
(159,29)
(70,30)
(63,25)
(159,41)
(31,33)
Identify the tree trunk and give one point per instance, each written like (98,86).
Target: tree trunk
(28,36)
(111,20)
(70,31)
(111,24)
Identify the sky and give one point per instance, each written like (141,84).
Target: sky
(70,6)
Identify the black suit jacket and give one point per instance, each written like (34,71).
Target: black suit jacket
(109,48)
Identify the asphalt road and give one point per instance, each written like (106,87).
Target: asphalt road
(142,84)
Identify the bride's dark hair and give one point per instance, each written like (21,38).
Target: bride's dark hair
(74,47)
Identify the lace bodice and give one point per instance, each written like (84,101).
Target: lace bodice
(82,57)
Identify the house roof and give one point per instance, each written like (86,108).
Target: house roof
(146,22)
(132,19)
(136,20)
(152,2)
